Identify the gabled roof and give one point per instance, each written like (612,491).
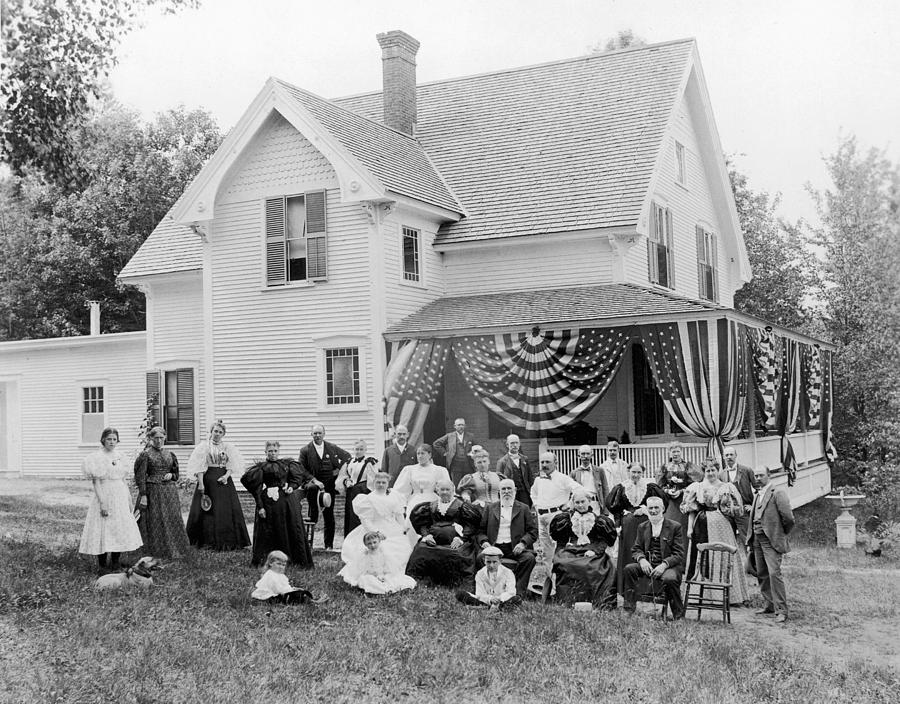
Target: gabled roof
(610,304)
(169,249)
(563,146)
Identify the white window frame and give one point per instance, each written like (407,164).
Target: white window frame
(81,385)
(660,234)
(419,279)
(268,285)
(337,342)
(681,175)
(707,258)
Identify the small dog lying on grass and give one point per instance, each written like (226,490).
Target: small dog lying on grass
(140,575)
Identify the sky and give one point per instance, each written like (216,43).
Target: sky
(786,78)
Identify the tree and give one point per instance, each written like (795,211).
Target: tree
(61,248)
(623,40)
(860,233)
(785,270)
(57,54)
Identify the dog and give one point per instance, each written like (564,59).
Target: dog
(139,575)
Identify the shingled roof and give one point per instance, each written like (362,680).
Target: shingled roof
(605,304)
(556,147)
(170,248)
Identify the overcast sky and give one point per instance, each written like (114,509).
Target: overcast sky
(785,78)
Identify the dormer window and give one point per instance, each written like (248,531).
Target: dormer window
(680,164)
(707,264)
(295,238)
(659,245)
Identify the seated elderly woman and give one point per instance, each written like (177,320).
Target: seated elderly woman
(446,551)
(481,486)
(583,570)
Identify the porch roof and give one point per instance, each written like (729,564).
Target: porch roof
(607,304)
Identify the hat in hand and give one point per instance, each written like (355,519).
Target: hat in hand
(137,513)
(324,499)
(205,502)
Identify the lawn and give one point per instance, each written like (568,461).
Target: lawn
(197,637)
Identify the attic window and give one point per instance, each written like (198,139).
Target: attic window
(680,164)
(295,238)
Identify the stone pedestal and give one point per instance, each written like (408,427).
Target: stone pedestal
(845,525)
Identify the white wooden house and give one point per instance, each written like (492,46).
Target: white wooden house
(586,193)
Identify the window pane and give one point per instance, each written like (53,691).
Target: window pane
(92,425)
(295,218)
(342,376)
(410,254)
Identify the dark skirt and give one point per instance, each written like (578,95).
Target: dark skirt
(441,564)
(351,520)
(161,525)
(630,524)
(583,578)
(673,513)
(282,529)
(223,526)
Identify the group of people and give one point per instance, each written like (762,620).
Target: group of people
(597,533)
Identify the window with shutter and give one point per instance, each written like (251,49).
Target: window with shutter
(296,238)
(153,397)
(707,264)
(660,246)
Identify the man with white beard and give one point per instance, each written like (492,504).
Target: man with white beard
(658,557)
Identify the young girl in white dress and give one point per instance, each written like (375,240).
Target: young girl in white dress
(275,588)
(381,512)
(110,526)
(374,572)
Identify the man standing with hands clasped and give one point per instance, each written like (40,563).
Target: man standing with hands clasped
(771,519)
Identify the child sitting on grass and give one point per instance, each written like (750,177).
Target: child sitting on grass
(373,572)
(274,587)
(495,585)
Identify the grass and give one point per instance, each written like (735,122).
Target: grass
(198,638)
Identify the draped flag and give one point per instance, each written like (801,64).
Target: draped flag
(541,381)
(811,365)
(412,381)
(788,404)
(766,353)
(700,367)
(828,447)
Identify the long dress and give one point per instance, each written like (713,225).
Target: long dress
(622,502)
(582,577)
(382,513)
(223,527)
(352,480)
(673,479)
(416,484)
(709,525)
(440,563)
(282,528)
(480,487)
(118,531)
(375,573)
(161,525)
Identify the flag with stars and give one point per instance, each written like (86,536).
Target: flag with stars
(700,368)
(413,378)
(543,379)
(828,447)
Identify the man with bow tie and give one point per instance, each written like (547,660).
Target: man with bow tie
(658,554)
(515,465)
(509,525)
(771,519)
(323,460)
(742,478)
(592,478)
(549,495)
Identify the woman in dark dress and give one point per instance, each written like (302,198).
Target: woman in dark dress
(221,525)
(353,480)
(628,503)
(584,572)
(278,525)
(673,478)
(156,476)
(444,554)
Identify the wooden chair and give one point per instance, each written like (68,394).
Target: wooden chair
(310,532)
(712,578)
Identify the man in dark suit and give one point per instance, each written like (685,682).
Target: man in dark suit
(398,454)
(771,519)
(455,447)
(658,554)
(509,525)
(742,477)
(323,460)
(515,466)
(592,478)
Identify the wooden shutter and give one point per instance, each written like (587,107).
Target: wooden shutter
(670,251)
(651,245)
(185,383)
(701,260)
(714,267)
(276,246)
(316,264)
(153,388)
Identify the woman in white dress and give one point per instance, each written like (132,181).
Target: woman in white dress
(417,483)
(379,512)
(704,503)
(110,526)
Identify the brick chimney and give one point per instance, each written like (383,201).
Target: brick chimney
(398,61)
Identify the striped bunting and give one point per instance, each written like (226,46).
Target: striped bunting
(413,379)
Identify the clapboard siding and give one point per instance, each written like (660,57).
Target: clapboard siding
(402,297)
(526,265)
(690,204)
(50,375)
